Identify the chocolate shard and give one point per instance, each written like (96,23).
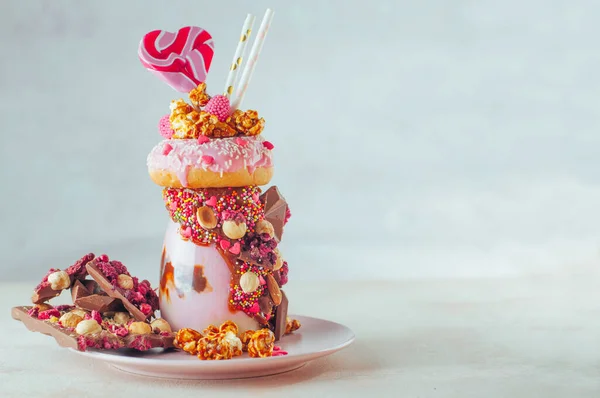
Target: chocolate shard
(92,286)
(245,256)
(144,342)
(44,294)
(78,290)
(114,292)
(63,337)
(98,302)
(280,318)
(275,210)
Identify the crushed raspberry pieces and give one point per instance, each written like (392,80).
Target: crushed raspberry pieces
(33,312)
(268,145)
(97,317)
(283,274)
(146,309)
(288,214)
(44,315)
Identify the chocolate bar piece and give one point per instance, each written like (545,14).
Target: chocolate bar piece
(275,210)
(114,291)
(280,318)
(84,297)
(67,337)
(43,292)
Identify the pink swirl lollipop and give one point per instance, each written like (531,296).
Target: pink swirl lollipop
(181,59)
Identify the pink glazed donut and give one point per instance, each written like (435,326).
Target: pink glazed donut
(211,163)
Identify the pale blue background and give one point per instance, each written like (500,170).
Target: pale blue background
(413,138)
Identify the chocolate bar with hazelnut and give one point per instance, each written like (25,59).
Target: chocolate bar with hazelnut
(275,209)
(113,291)
(63,336)
(44,291)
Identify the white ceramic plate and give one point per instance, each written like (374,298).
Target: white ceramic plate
(316,338)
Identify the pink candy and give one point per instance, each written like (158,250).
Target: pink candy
(208,159)
(235,249)
(181,59)
(212,201)
(255,309)
(187,232)
(167,149)
(268,145)
(241,142)
(225,244)
(218,106)
(164,127)
(203,139)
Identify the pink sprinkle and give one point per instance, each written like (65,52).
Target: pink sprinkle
(173,206)
(187,232)
(279,353)
(218,106)
(212,201)
(262,280)
(203,139)
(224,244)
(164,127)
(235,249)
(145,308)
(276,348)
(241,142)
(254,309)
(255,198)
(167,149)
(208,159)
(268,145)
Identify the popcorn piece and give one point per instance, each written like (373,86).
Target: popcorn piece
(210,330)
(229,326)
(199,97)
(219,346)
(245,339)
(89,326)
(187,339)
(247,122)
(292,325)
(161,325)
(261,344)
(211,126)
(59,280)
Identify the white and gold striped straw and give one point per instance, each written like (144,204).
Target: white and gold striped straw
(239,55)
(242,86)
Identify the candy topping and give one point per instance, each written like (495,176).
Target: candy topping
(164,127)
(218,106)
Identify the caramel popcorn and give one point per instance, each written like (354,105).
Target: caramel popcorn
(210,126)
(210,330)
(245,339)
(291,325)
(187,340)
(223,345)
(229,326)
(183,119)
(247,122)
(261,344)
(198,96)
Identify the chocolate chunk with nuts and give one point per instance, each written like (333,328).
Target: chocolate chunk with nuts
(275,210)
(280,319)
(56,280)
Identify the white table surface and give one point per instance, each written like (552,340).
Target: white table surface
(523,337)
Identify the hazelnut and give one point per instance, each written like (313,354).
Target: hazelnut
(59,280)
(264,227)
(43,307)
(70,320)
(206,217)
(140,328)
(233,230)
(121,318)
(161,325)
(79,312)
(89,326)
(125,282)
(249,282)
(279,262)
